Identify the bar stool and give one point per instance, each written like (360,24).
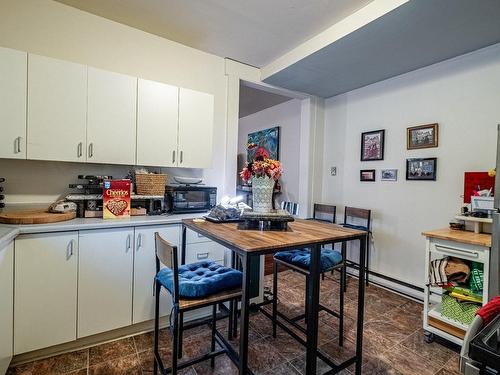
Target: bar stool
(192,286)
(299,260)
(357,218)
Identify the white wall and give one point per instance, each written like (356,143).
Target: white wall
(287,116)
(52,29)
(463,96)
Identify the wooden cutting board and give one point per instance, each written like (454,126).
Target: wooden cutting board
(34,217)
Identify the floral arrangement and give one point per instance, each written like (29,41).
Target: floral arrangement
(262,167)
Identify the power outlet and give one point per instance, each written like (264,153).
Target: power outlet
(333,171)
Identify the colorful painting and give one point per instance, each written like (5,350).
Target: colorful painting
(264,143)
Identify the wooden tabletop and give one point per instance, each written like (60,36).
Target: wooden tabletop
(301,233)
(481,239)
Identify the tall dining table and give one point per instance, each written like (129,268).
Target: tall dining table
(300,234)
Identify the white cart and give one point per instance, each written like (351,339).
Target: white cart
(459,244)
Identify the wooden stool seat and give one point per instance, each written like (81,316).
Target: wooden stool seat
(197,303)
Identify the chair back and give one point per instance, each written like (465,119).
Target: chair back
(166,254)
(322,210)
(358,217)
(291,207)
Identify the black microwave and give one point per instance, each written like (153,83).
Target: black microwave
(181,199)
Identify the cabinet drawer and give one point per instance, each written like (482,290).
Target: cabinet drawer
(459,250)
(193,237)
(204,250)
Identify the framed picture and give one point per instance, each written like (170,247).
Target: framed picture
(421,169)
(264,143)
(423,136)
(367,175)
(372,145)
(389,175)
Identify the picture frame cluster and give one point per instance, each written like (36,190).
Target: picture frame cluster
(417,169)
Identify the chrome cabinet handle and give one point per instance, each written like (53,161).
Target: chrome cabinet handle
(91,149)
(181,158)
(202,256)
(79,150)
(129,243)
(139,242)
(17,145)
(69,249)
(173,157)
(451,250)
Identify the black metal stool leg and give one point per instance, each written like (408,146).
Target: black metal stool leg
(275,295)
(341,307)
(157,326)
(181,331)
(231,320)
(175,340)
(344,257)
(367,259)
(235,319)
(214,322)
(306,304)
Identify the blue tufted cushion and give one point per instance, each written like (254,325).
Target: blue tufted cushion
(302,258)
(201,279)
(352,226)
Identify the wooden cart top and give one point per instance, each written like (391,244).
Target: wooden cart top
(471,238)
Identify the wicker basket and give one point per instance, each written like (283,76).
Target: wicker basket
(150,184)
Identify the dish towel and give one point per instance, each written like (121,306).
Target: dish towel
(437,272)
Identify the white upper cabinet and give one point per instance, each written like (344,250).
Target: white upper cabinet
(157,123)
(111,127)
(196,126)
(57,109)
(13,75)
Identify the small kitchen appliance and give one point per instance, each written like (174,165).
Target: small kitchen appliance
(182,198)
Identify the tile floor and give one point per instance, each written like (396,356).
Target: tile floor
(393,341)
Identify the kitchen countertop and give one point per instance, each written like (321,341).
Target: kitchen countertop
(471,238)
(10,232)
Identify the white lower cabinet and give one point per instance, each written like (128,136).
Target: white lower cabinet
(145,270)
(105,280)
(7,305)
(45,287)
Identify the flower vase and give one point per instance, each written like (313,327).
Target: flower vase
(262,192)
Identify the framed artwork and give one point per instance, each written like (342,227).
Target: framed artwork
(389,175)
(367,175)
(423,136)
(264,143)
(372,145)
(421,169)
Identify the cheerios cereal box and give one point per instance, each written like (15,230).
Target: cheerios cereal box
(116,199)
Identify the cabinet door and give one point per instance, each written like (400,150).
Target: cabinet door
(45,295)
(145,270)
(105,280)
(157,123)
(13,76)
(7,305)
(196,125)
(111,127)
(57,109)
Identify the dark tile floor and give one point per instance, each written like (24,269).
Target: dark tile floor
(393,341)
